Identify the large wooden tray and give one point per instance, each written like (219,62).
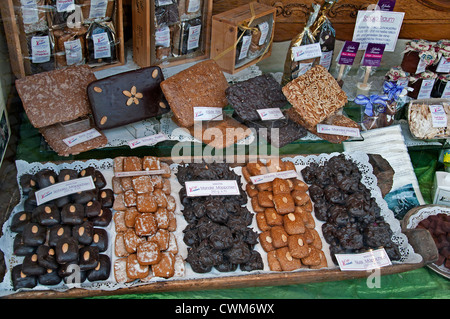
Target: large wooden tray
(420,240)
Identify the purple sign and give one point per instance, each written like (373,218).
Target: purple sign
(348,53)
(373,54)
(386,5)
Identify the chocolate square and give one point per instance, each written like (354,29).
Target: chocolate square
(127,97)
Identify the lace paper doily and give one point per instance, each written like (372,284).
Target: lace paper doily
(106,167)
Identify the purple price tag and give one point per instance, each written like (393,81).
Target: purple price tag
(373,54)
(386,5)
(348,53)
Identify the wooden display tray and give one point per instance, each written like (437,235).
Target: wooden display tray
(419,239)
(17,44)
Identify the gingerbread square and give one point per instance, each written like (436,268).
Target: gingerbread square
(279,236)
(157,181)
(293,223)
(266,241)
(267,186)
(126,183)
(257,168)
(300,185)
(160,198)
(145,225)
(284,203)
(116,185)
(129,198)
(298,246)
(120,270)
(135,270)
(251,190)
(313,258)
(146,203)
(273,218)
(162,218)
(265,199)
(132,163)
(131,240)
(166,187)
(287,262)
(307,218)
(118,163)
(150,163)
(300,198)
(261,222)
(280,186)
(130,216)
(119,221)
(272,260)
(165,268)
(142,184)
(172,221)
(148,253)
(119,202)
(161,238)
(323,261)
(119,246)
(173,245)
(255,205)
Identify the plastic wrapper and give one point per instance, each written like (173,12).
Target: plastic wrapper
(70,46)
(32,15)
(187,37)
(325,34)
(166,15)
(376,111)
(60,11)
(429,118)
(96,10)
(40,52)
(418,55)
(101,43)
(292,68)
(189,9)
(416,83)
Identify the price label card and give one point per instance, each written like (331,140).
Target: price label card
(373,54)
(148,140)
(81,137)
(338,130)
(40,49)
(140,173)
(348,53)
(438,116)
(446,93)
(363,261)
(64,188)
(204,113)
(425,89)
(443,66)
(270,114)
(259,179)
(305,52)
(212,188)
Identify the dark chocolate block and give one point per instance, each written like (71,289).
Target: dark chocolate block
(20,249)
(261,92)
(106,197)
(50,278)
(85,196)
(92,208)
(19,220)
(67,175)
(47,214)
(83,233)
(99,180)
(88,171)
(21,280)
(88,258)
(27,182)
(30,203)
(66,250)
(102,270)
(103,219)
(127,97)
(60,202)
(46,257)
(72,214)
(30,266)
(34,234)
(58,232)
(100,239)
(45,178)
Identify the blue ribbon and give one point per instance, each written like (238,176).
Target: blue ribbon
(392,90)
(370,102)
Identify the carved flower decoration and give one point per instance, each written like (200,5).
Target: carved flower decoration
(133,96)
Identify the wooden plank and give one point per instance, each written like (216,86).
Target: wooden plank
(424,19)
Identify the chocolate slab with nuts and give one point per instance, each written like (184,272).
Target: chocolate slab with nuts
(127,97)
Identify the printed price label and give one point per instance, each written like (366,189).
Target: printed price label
(325,59)
(264,28)
(81,137)
(443,66)
(373,54)
(446,93)
(246,41)
(194,6)
(204,113)
(98,9)
(425,89)
(65,5)
(270,114)
(29,11)
(438,116)
(40,49)
(102,48)
(74,52)
(148,140)
(364,261)
(338,130)
(162,37)
(64,188)
(212,188)
(259,179)
(348,53)
(305,52)
(194,37)
(140,173)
